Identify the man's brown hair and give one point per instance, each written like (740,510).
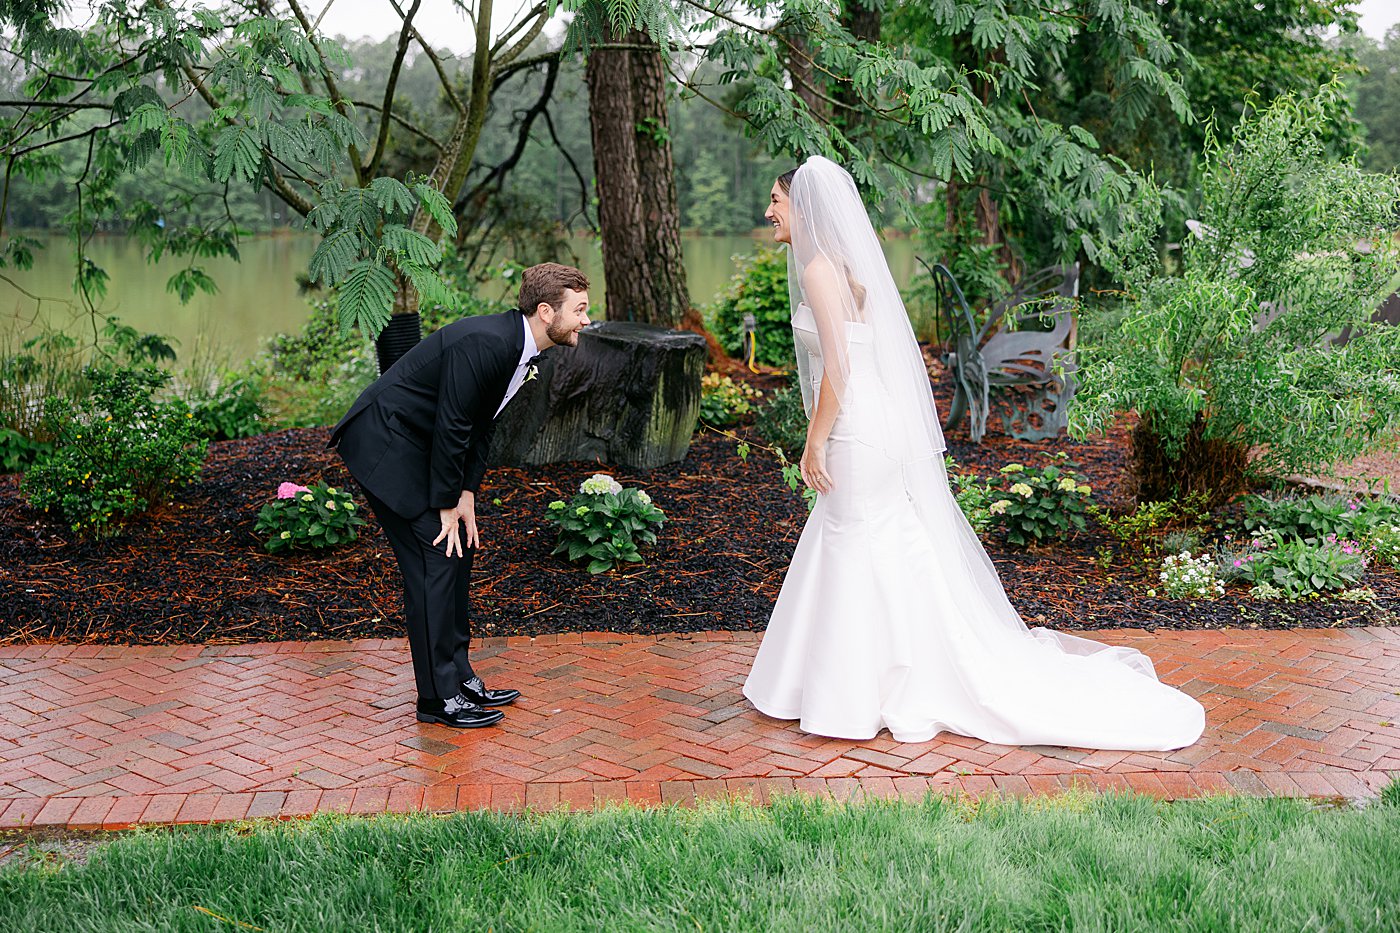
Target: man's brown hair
(546,283)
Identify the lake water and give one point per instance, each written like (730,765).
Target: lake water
(258,296)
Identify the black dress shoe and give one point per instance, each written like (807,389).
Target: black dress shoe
(458,712)
(476,691)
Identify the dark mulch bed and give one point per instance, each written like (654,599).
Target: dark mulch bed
(195,572)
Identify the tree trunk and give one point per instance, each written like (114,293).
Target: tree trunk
(862,20)
(635,173)
(797,59)
(1213,468)
(986,224)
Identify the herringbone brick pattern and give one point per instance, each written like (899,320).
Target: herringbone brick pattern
(98,736)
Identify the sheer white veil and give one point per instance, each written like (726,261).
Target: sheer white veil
(837,269)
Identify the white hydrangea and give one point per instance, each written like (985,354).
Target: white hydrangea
(642,497)
(1023,489)
(1187,577)
(600,484)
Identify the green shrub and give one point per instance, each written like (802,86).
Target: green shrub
(52,364)
(782,422)
(1037,504)
(973,494)
(117,453)
(1231,363)
(1297,566)
(235,408)
(313,376)
(1144,532)
(604,523)
(1320,514)
(18,452)
(760,288)
(316,517)
(319,345)
(724,401)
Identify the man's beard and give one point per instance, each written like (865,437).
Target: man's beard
(560,334)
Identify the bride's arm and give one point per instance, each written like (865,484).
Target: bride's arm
(822,291)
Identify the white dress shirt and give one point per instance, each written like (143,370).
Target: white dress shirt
(526,355)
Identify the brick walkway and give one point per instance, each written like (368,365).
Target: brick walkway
(95,736)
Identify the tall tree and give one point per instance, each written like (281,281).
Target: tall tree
(635,176)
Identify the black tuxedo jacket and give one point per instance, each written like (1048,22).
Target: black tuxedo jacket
(419,435)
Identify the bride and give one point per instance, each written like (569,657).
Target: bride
(891,615)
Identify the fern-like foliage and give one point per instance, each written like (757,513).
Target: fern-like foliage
(367,243)
(134,66)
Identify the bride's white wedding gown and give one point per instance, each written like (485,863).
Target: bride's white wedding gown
(892,616)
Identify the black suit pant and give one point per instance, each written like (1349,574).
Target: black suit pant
(436,599)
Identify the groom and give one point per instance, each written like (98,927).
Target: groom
(416,441)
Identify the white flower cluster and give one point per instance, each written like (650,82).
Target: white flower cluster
(600,484)
(1384,541)
(643,498)
(1185,577)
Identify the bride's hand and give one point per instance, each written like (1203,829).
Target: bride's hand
(813,467)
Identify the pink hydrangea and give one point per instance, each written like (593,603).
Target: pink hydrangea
(289,490)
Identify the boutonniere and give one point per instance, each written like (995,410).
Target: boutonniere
(531,372)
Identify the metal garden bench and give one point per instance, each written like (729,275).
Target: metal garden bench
(1031,367)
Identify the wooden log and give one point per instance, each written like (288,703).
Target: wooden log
(628,395)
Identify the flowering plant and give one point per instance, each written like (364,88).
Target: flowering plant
(604,523)
(1384,542)
(1296,566)
(1321,514)
(1187,577)
(600,484)
(317,516)
(1038,503)
(724,401)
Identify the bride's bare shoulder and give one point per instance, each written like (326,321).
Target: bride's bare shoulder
(818,275)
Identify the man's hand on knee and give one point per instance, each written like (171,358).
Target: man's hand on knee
(464,513)
(451,531)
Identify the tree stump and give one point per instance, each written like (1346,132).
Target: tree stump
(628,395)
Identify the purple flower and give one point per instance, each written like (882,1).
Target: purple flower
(1239,563)
(290,490)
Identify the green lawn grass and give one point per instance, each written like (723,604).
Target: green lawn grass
(1077,862)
